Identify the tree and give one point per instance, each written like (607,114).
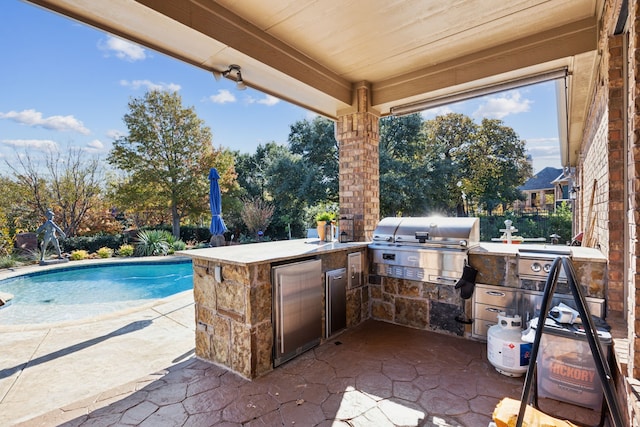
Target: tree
(404,177)
(289,179)
(448,141)
(479,165)
(315,141)
(69,184)
(166,156)
(497,164)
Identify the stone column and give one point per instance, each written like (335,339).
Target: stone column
(357,134)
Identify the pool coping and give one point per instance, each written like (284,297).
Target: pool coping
(36,268)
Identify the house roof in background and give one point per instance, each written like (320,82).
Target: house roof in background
(543,180)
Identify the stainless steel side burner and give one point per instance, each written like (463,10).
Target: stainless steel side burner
(428,249)
(534,264)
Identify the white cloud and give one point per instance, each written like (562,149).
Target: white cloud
(95,145)
(543,147)
(223,97)
(268,100)
(544,152)
(137,84)
(34,118)
(500,106)
(438,111)
(38,144)
(122,49)
(114,133)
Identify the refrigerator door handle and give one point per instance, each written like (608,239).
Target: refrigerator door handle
(281,316)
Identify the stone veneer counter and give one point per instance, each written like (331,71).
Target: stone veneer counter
(232,291)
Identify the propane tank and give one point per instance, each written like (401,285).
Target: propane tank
(505,349)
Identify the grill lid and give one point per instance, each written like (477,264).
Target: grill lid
(428,231)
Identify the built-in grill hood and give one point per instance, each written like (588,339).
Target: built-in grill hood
(428,231)
(428,249)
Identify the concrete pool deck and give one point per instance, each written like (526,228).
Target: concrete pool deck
(50,366)
(43,369)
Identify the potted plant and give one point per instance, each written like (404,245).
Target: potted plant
(321,220)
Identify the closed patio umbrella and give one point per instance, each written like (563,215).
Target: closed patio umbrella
(217,227)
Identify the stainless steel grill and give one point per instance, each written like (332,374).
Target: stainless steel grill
(427,249)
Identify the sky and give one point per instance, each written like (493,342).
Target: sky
(64,84)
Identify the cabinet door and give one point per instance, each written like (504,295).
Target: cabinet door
(336,296)
(298,307)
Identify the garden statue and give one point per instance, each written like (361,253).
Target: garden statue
(50,228)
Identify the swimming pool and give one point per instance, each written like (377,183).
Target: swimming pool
(77,292)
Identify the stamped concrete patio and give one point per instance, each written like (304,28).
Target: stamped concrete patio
(377,374)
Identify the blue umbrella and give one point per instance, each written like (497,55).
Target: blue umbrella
(215,203)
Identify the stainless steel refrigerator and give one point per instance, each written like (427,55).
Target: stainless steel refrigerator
(297,308)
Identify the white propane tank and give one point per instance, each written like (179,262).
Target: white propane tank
(505,349)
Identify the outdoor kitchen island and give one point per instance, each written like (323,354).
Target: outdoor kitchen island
(234,297)
(503,269)
(234,292)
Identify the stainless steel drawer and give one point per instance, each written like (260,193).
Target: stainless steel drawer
(496,296)
(481,327)
(488,312)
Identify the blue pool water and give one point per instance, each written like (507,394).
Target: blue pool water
(77,292)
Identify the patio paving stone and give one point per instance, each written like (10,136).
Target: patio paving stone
(376,374)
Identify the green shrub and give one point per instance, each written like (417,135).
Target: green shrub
(178,245)
(93,243)
(79,254)
(153,242)
(125,250)
(192,233)
(104,252)
(7,262)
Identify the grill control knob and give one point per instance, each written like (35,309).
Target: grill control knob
(536,267)
(547,268)
(463,243)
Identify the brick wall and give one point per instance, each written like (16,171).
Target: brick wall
(608,157)
(633,176)
(594,185)
(616,244)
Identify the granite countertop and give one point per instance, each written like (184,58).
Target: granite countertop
(577,253)
(257,253)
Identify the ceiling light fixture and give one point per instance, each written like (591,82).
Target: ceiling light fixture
(426,104)
(236,76)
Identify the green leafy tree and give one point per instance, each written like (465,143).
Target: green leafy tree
(274,174)
(289,180)
(496,164)
(165,157)
(315,141)
(404,174)
(254,169)
(449,139)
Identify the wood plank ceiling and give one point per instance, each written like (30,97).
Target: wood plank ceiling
(314,52)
